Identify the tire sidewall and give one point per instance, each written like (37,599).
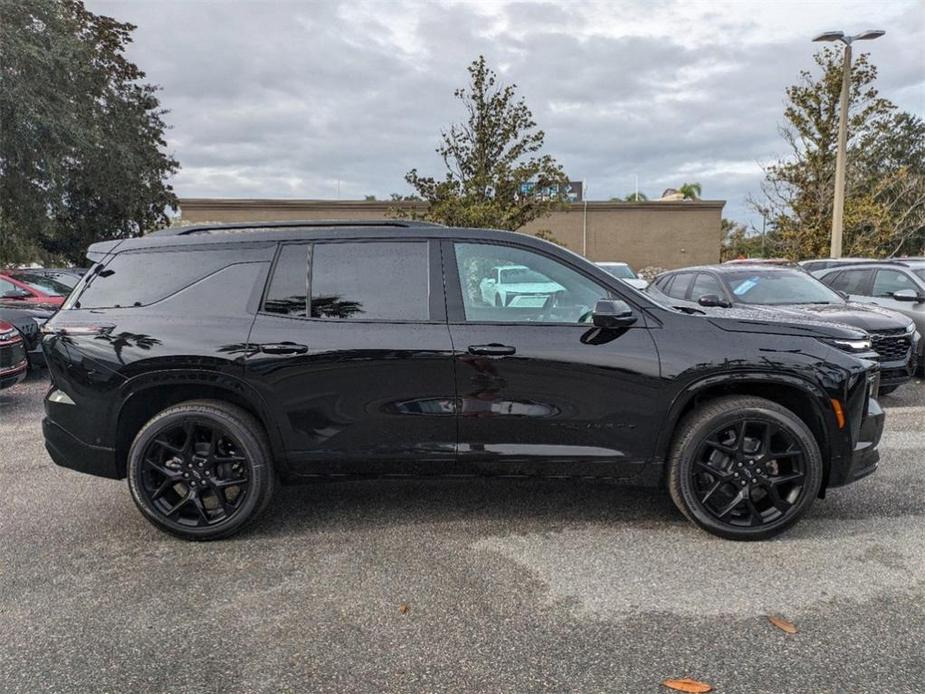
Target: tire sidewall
(685,460)
(254,452)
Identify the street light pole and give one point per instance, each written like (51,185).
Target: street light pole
(838,207)
(841,153)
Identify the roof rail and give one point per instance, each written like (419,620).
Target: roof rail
(258,226)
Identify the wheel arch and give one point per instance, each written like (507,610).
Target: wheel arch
(806,400)
(146,395)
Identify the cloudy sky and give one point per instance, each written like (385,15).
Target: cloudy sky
(320,99)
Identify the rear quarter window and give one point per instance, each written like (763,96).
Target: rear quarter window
(139,278)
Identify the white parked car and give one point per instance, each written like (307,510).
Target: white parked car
(517,285)
(624,272)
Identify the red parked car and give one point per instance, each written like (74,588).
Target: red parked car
(13,363)
(22,288)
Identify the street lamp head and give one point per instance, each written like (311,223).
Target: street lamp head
(868,35)
(830,36)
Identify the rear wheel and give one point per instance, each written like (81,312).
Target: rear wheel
(201,470)
(744,468)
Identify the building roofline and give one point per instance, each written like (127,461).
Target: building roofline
(290,203)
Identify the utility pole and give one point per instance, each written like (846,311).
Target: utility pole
(838,204)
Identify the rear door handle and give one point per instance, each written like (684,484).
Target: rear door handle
(492,350)
(284,348)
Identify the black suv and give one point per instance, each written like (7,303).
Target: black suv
(207,363)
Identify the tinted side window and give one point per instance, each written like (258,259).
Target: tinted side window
(678,288)
(664,283)
(706,284)
(384,281)
(138,278)
(375,280)
(6,287)
(849,281)
(289,286)
(889,281)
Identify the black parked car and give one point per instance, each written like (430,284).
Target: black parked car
(28,322)
(292,351)
(790,294)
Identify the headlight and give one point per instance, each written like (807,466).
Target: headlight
(852,346)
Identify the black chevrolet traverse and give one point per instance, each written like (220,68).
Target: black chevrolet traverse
(207,364)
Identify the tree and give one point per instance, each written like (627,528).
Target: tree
(633,197)
(885,183)
(496,176)
(690,191)
(740,242)
(81,135)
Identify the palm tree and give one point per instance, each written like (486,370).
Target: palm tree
(636,197)
(690,191)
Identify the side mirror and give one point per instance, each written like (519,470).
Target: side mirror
(15,294)
(712,300)
(612,313)
(907,295)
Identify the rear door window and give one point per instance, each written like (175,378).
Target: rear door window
(352,281)
(678,288)
(850,281)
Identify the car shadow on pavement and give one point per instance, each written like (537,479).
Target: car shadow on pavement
(483,504)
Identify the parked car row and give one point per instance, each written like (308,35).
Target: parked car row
(28,298)
(886,301)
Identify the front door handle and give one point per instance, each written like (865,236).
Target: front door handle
(492,350)
(284,348)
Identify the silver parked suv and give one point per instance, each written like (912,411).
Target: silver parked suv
(898,285)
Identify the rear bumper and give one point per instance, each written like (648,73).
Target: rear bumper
(865,456)
(68,451)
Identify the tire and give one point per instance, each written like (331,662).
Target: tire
(708,470)
(214,442)
(886,390)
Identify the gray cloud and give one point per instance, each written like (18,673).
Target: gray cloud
(289,98)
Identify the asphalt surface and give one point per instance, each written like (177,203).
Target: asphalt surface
(512,586)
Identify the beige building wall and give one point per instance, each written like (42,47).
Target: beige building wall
(664,234)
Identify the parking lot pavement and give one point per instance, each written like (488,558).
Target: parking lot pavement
(509,586)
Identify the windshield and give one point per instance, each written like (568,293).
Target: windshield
(624,272)
(42,283)
(522,276)
(778,287)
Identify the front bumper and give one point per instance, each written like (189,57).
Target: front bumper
(68,451)
(865,457)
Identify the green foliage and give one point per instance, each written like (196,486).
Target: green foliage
(81,136)
(489,158)
(885,182)
(690,191)
(634,197)
(739,242)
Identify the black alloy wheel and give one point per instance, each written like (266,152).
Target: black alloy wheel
(744,468)
(749,473)
(194,473)
(201,470)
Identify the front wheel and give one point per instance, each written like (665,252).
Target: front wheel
(744,468)
(886,390)
(201,470)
